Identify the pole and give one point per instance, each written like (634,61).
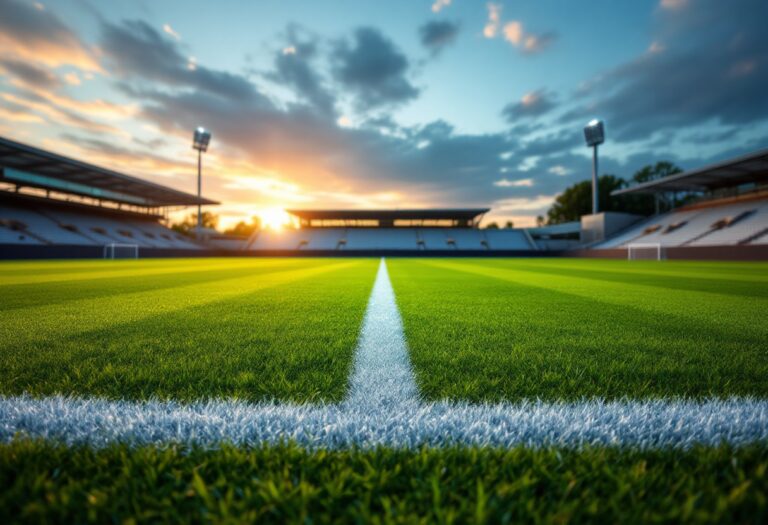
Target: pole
(199,189)
(595,206)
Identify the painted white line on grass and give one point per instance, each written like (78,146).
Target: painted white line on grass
(383,409)
(382,379)
(642,424)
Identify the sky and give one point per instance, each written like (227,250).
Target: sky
(384,104)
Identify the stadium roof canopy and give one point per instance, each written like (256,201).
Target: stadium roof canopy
(387,218)
(750,168)
(27,166)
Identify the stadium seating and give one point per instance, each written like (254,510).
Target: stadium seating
(730,224)
(507,240)
(54,225)
(406,239)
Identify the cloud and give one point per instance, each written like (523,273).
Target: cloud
(29,74)
(167,29)
(714,67)
(538,43)
(40,36)
(56,113)
(373,69)
(136,49)
(494,20)
(513,32)
(294,68)
(527,42)
(521,183)
(134,160)
(439,5)
(534,104)
(437,35)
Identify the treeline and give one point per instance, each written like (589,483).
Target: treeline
(576,200)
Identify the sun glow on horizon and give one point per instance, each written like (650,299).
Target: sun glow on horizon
(274,218)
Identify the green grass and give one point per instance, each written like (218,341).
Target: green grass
(555,329)
(182,329)
(45,483)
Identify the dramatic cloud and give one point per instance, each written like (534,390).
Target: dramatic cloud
(29,74)
(534,104)
(136,49)
(37,35)
(714,66)
(373,69)
(435,36)
(293,67)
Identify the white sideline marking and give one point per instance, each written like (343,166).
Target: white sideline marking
(383,409)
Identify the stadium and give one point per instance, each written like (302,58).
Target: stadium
(362,360)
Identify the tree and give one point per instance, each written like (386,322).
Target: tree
(245,229)
(509,224)
(653,172)
(492,226)
(189,223)
(576,200)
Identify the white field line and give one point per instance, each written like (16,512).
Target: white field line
(383,409)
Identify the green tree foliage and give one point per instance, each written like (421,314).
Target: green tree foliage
(576,200)
(653,172)
(509,224)
(189,223)
(492,226)
(245,229)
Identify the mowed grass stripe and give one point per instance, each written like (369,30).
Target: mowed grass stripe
(733,271)
(290,338)
(38,323)
(728,312)
(476,337)
(58,292)
(688,282)
(139,268)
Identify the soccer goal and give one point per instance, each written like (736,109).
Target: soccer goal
(646,252)
(121,251)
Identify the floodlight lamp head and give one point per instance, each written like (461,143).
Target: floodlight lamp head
(201,139)
(594,132)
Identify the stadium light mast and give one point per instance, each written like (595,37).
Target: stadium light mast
(200,142)
(594,133)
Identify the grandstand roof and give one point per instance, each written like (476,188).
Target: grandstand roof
(43,169)
(460,214)
(750,168)
(445,217)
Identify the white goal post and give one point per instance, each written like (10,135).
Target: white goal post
(121,251)
(646,252)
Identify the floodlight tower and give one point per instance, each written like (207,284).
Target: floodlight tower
(594,132)
(200,143)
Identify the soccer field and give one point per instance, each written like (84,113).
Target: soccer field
(437,390)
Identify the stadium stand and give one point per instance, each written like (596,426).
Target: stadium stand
(729,208)
(50,200)
(392,231)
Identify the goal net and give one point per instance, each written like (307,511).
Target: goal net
(646,252)
(121,251)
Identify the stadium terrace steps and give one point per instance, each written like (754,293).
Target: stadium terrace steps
(56,226)
(390,239)
(727,225)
